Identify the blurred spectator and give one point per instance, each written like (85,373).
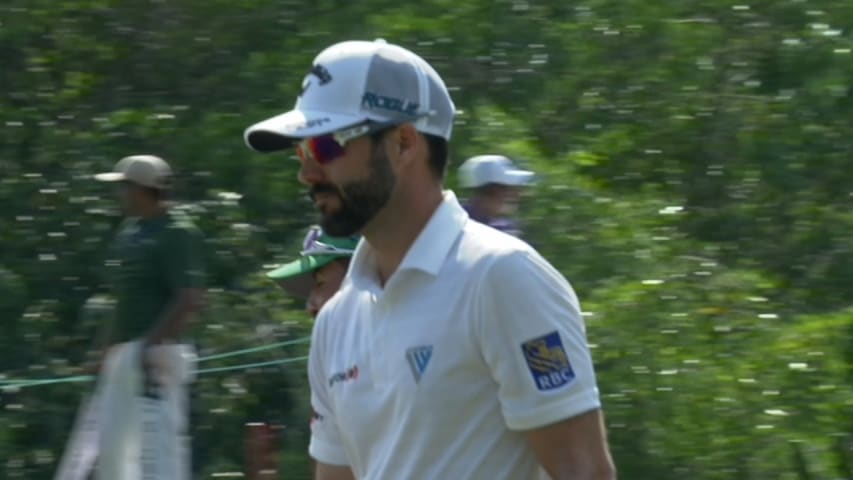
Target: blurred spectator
(157,275)
(495,184)
(315,277)
(318,272)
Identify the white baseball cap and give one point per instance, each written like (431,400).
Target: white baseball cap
(485,169)
(354,82)
(145,170)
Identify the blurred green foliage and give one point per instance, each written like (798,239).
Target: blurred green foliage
(695,186)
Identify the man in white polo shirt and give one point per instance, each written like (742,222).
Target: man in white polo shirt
(453,350)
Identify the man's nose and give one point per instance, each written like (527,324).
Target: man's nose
(310,172)
(312,306)
(313,311)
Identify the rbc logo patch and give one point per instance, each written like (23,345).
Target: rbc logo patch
(547,360)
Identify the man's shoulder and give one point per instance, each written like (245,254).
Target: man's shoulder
(128,224)
(485,244)
(341,309)
(178,218)
(348,296)
(179,223)
(500,256)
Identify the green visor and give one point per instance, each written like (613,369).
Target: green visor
(318,250)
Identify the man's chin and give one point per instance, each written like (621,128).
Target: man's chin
(341,226)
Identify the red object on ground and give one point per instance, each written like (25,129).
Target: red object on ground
(262,449)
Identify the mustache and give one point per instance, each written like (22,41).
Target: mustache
(322,188)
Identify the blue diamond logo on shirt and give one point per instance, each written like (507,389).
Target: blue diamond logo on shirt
(418,358)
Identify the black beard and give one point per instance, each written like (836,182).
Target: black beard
(360,200)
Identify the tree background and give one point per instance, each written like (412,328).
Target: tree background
(695,187)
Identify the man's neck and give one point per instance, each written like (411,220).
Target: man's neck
(483,209)
(393,231)
(152,211)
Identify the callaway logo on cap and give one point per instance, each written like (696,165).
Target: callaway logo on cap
(355,82)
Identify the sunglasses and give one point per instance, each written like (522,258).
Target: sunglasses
(312,245)
(326,148)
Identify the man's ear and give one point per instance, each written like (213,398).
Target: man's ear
(407,143)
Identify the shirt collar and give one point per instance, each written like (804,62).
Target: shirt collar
(427,253)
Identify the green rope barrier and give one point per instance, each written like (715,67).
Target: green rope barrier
(261,348)
(47,381)
(88,378)
(13,384)
(251,365)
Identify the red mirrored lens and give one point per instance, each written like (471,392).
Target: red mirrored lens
(322,149)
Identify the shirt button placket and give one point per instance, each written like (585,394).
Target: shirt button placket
(376,352)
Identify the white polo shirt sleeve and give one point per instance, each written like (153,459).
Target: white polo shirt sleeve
(326,445)
(533,340)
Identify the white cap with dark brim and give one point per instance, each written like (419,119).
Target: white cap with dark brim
(492,169)
(357,81)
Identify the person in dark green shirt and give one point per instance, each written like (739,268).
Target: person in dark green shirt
(154,259)
(155,264)
(157,275)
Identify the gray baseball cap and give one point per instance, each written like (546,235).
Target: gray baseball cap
(354,82)
(485,169)
(145,170)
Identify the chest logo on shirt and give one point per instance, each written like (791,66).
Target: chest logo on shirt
(418,358)
(348,374)
(547,360)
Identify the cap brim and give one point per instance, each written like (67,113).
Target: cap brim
(518,177)
(110,177)
(301,266)
(295,276)
(282,131)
